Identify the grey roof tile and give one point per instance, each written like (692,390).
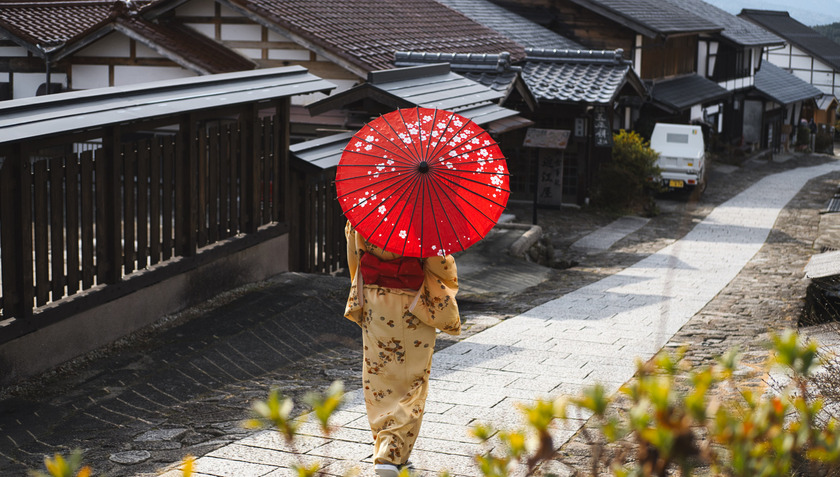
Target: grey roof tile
(735,29)
(685,91)
(574,76)
(511,25)
(494,71)
(782,86)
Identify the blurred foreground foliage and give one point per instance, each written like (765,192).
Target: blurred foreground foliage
(649,428)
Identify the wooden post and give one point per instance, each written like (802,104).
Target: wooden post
(186,189)
(16,237)
(111,270)
(251,189)
(282,180)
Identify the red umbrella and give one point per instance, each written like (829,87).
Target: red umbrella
(421,182)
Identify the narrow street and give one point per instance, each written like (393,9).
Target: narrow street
(185,387)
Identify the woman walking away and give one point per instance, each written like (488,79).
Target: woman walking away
(399,302)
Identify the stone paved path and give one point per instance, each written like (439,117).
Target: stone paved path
(590,335)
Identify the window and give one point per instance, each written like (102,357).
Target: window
(677,138)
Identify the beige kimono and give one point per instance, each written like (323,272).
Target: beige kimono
(398,345)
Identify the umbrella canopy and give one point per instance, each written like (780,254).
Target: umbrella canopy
(421,182)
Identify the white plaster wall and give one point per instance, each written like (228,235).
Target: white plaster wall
(292,55)
(782,60)
(804,75)
(241,33)
(89,76)
(111,45)
(227,12)
(124,75)
(196,8)
(800,62)
(756,60)
(15,51)
(26,84)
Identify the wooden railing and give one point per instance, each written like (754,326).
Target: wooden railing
(89,221)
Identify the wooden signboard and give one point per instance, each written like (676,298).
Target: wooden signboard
(547,138)
(601,125)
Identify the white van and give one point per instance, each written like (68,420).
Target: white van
(682,155)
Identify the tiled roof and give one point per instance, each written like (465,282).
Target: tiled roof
(574,76)
(511,25)
(805,38)
(191,50)
(366,34)
(429,86)
(651,17)
(735,29)
(494,71)
(54,25)
(679,94)
(58,28)
(782,86)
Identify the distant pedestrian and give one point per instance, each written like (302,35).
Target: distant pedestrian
(399,302)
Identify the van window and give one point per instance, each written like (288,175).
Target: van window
(677,138)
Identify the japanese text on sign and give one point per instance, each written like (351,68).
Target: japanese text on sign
(601,125)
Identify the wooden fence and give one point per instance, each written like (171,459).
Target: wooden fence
(317,243)
(79,224)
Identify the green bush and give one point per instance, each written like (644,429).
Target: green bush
(627,181)
(803,136)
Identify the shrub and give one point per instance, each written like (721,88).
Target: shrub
(627,181)
(803,135)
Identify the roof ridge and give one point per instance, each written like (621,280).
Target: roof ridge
(567,56)
(492,62)
(759,11)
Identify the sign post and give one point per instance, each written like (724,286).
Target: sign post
(548,187)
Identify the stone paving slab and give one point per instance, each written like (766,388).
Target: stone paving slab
(607,236)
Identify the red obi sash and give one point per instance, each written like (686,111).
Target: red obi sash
(405,272)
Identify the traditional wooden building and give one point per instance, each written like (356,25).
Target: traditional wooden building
(97,43)
(567,93)
(101,43)
(806,53)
